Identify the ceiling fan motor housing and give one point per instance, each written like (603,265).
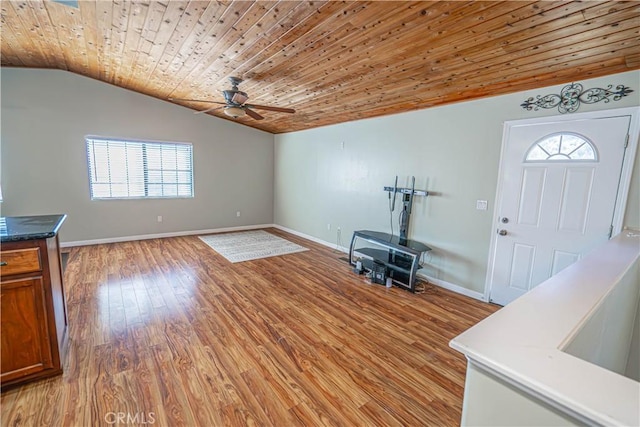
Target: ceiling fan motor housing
(229,93)
(235,103)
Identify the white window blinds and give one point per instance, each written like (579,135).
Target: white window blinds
(137,169)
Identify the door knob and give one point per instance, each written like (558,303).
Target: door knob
(502,232)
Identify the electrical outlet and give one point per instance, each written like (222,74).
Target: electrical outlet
(159,218)
(238,214)
(481,205)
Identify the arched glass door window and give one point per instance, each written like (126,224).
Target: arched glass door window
(562,147)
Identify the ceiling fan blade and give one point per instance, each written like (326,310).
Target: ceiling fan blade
(266,107)
(196,100)
(253,114)
(239,98)
(208,110)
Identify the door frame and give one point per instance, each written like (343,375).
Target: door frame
(623,185)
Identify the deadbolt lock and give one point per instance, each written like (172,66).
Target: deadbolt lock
(504,220)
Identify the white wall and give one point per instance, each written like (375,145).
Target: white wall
(490,401)
(633,365)
(452,151)
(45,117)
(606,337)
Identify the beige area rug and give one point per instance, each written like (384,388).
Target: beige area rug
(248,245)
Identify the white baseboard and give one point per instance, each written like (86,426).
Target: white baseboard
(313,239)
(162,235)
(441,283)
(453,287)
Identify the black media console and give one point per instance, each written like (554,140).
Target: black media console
(399,258)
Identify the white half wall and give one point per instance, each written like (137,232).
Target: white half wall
(564,343)
(45,117)
(333,176)
(490,401)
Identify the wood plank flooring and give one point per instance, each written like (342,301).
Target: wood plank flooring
(167,332)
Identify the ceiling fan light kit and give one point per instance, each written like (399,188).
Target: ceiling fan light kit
(235,105)
(234,112)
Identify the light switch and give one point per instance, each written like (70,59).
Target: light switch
(481,205)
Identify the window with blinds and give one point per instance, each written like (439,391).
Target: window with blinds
(138,169)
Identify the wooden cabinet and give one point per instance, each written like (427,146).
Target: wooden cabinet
(25,335)
(32,310)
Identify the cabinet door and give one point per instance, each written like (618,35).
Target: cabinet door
(25,340)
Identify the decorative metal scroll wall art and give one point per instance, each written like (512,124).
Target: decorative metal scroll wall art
(572,95)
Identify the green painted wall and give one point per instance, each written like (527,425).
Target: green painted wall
(335,175)
(45,117)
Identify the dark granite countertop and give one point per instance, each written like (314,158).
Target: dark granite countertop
(16,228)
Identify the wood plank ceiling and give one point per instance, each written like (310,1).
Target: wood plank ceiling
(332,61)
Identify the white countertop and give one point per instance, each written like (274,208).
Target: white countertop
(522,341)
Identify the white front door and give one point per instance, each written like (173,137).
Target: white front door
(558,194)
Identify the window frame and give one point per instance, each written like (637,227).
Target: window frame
(89,139)
(596,155)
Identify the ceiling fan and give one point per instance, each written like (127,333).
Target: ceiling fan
(235,105)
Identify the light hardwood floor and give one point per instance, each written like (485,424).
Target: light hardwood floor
(167,332)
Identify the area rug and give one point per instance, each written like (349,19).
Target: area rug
(248,245)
